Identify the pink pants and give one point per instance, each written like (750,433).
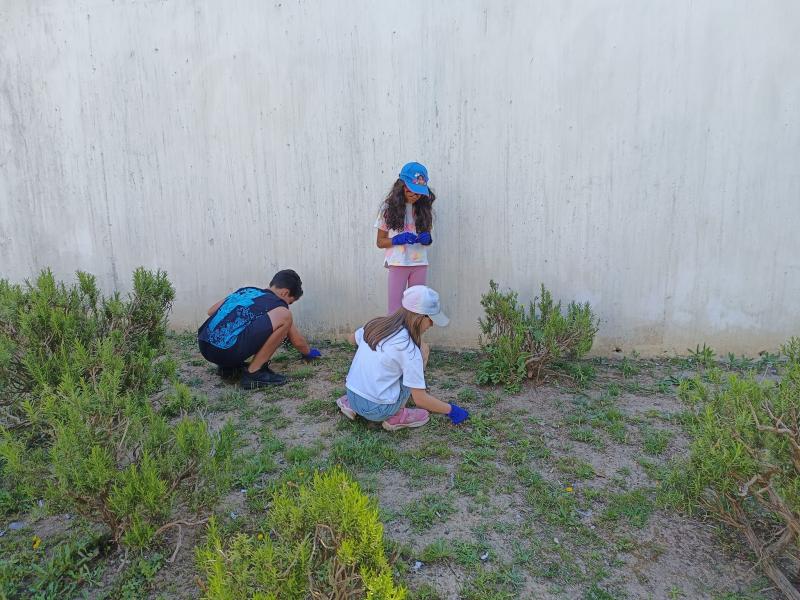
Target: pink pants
(399,278)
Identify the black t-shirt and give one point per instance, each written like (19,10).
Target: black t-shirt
(244,309)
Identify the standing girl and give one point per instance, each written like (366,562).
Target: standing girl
(404,228)
(389,366)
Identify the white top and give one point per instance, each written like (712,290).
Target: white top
(408,255)
(376,374)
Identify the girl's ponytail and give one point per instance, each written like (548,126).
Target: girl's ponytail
(381,328)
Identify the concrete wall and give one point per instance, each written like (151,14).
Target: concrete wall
(640,155)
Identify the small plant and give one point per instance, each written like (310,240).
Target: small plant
(628,368)
(321,539)
(467,395)
(34,574)
(521,342)
(634,507)
(578,468)
(742,363)
(703,357)
(426,511)
(744,464)
(655,441)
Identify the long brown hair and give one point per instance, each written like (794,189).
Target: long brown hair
(381,328)
(394,209)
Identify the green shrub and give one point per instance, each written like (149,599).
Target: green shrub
(50,332)
(321,539)
(531,342)
(744,464)
(78,426)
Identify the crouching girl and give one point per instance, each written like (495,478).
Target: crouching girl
(389,366)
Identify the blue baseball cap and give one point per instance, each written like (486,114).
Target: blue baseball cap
(415,176)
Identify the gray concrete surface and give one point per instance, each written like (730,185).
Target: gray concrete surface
(639,155)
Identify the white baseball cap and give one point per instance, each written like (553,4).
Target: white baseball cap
(424,301)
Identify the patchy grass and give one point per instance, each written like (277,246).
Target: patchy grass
(633,507)
(543,494)
(427,510)
(655,441)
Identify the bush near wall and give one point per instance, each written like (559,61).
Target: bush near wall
(76,422)
(744,464)
(321,539)
(531,342)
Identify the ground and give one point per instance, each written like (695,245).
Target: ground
(546,493)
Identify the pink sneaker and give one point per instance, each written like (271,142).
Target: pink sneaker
(407,417)
(344,406)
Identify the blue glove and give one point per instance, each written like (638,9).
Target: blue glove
(404,238)
(312,354)
(457,414)
(425,238)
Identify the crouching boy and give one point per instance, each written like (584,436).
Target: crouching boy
(252,322)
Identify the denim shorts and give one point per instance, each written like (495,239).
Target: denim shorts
(372,411)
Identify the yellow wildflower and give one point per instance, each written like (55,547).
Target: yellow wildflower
(260,536)
(569,489)
(37,541)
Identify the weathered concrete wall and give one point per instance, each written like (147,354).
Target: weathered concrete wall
(640,155)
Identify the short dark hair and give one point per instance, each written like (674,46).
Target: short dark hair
(289,280)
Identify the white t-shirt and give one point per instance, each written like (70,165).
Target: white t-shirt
(407,255)
(376,374)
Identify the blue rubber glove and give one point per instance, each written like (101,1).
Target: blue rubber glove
(404,238)
(457,414)
(425,238)
(312,354)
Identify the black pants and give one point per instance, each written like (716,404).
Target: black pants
(247,344)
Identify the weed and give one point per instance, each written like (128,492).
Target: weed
(180,400)
(595,592)
(29,573)
(467,395)
(363,449)
(302,454)
(138,577)
(337,393)
(555,505)
(634,506)
(665,385)
(302,373)
(655,441)
(524,451)
(317,407)
(427,510)
(581,373)
(297,389)
(425,592)
(702,357)
(448,384)
(251,469)
(767,360)
(579,469)
(501,584)
(273,416)
(585,435)
(628,368)
(742,363)
(230,401)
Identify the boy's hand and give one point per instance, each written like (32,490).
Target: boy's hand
(404,238)
(312,354)
(457,414)
(425,238)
